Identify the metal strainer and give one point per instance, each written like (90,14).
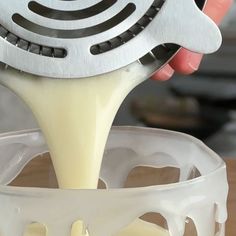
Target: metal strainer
(75,39)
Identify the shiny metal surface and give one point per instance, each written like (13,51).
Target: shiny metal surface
(74,39)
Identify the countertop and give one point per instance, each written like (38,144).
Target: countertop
(231,223)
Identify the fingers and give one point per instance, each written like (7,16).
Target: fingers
(164,74)
(186,62)
(217,9)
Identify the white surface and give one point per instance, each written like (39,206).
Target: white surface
(127,148)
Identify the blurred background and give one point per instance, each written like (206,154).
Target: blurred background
(203,105)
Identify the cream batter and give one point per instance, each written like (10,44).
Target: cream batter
(75,116)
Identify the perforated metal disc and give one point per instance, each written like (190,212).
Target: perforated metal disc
(76,39)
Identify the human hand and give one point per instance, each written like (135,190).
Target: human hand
(186,62)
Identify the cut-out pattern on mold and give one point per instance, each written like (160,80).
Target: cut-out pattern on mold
(143,176)
(41,171)
(155,218)
(190,228)
(148,224)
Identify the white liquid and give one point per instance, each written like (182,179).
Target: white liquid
(75,117)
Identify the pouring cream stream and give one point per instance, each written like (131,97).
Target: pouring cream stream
(75,116)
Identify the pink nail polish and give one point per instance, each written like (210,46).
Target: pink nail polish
(166,73)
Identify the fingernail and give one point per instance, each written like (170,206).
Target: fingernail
(167,73)
(194,61)
(164,74)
